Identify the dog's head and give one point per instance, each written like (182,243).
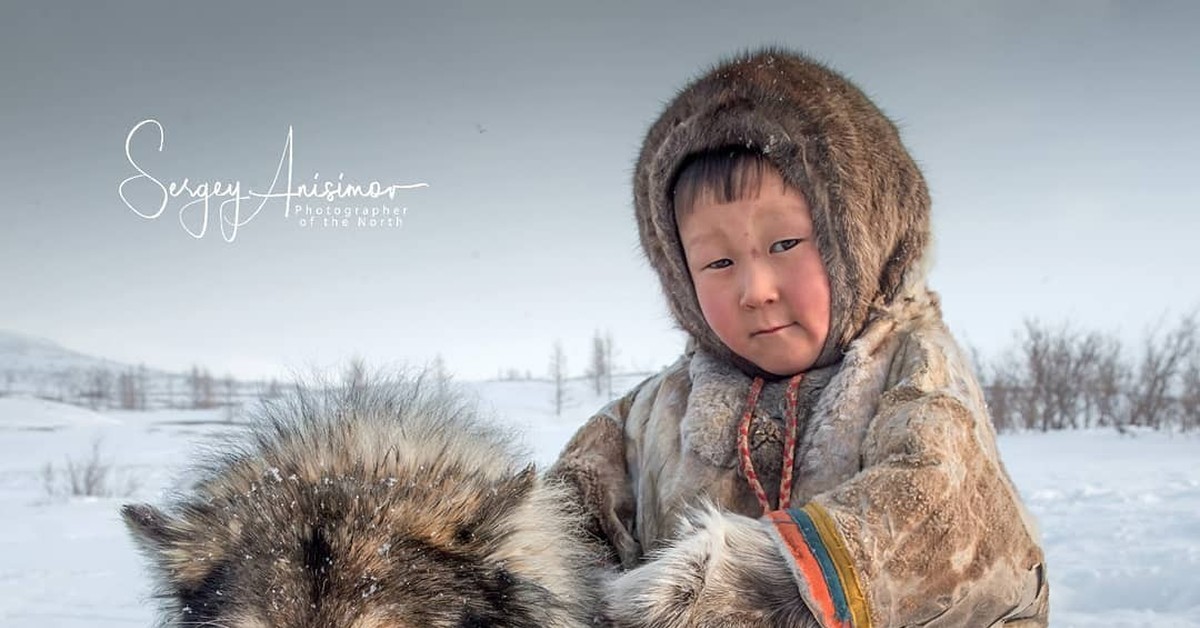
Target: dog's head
(344,554)
(369,512)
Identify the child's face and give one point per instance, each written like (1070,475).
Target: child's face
(759,276)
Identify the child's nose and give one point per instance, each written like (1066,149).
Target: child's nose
(758,287)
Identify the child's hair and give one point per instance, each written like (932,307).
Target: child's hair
(725,175)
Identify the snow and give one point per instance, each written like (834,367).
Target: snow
(27,413)
(1119,514)
(1120,520)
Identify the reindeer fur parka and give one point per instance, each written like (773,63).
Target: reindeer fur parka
(905,514)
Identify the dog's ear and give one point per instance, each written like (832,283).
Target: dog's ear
(517,487)
(175,545)
(151,528)
(504,496)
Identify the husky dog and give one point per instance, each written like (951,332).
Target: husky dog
(373,506)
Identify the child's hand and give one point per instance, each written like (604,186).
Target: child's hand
(724,570)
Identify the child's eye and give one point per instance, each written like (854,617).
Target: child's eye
(721,263)
(784,245)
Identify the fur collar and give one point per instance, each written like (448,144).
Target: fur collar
(718,399)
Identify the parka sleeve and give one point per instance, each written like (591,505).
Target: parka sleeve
(593,466)
(931,532)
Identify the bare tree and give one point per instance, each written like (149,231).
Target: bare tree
(131,388)
(1164,358)
(558,373)
(272,391)
(1034,347)
(1004,391)
(609,362)
(354,376)
(127,392)
(1110,380)
(1189,393)
(98,389)
(59,386)
(142,381)
(597,371)
(438,368)
(512,375)
(200,384)
(229,390)
(1063,370)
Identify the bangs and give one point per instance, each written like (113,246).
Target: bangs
(723,176)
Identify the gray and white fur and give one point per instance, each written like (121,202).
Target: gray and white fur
(369,507)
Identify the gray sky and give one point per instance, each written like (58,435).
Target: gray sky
(1061,143)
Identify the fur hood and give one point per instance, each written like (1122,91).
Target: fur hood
(870,203)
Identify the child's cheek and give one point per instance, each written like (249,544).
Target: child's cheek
(717,311)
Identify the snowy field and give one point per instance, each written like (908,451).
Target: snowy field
(1120,515)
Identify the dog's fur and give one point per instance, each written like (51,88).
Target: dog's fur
(368,507)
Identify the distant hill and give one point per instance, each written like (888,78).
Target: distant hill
(24,353)
(37,367)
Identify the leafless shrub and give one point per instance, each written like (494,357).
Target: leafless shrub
(1109,379)
(93,476)
(1189,395)
(1165,354)
(1003,389)
(1060,377)
(200,385)
(131,389)
(98,389)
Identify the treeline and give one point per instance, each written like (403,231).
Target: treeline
(1057,377)
(1052,377)
(114,387)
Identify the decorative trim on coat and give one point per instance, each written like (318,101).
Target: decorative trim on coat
(822,566)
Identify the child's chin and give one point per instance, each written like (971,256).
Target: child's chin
(782,366)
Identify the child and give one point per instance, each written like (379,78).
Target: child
(821,454)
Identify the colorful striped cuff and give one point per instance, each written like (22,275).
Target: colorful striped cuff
(822,565)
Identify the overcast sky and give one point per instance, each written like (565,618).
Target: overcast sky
(1061,142)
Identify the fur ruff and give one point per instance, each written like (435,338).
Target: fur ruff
(870,203)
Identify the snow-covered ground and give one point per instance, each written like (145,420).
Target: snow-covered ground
(1120,515)
(1120,520)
